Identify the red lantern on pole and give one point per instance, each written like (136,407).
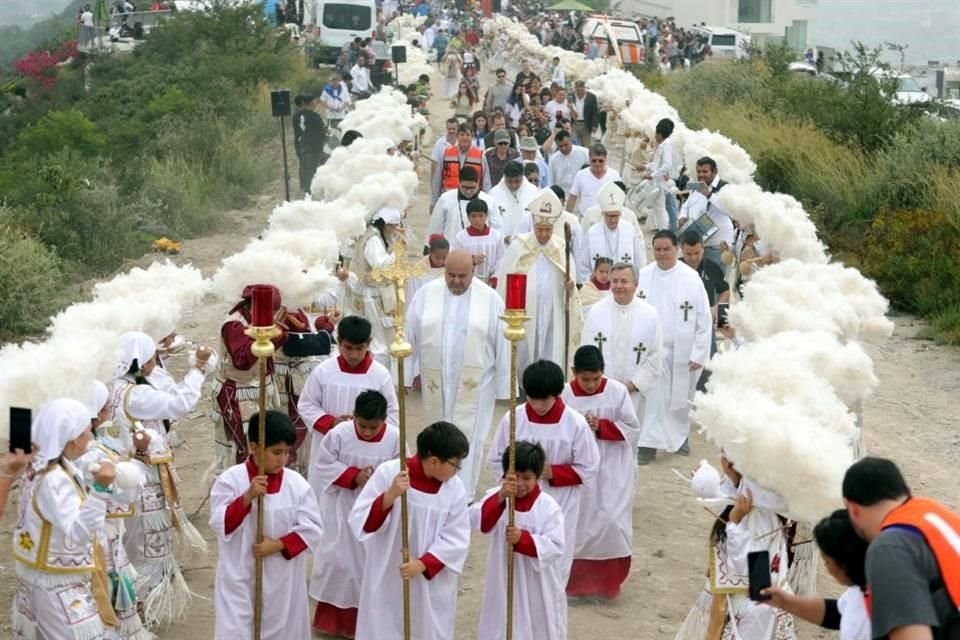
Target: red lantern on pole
(516,291)
(261,306)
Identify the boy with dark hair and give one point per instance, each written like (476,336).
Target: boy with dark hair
(604,545)
(537,539)
(913,565)
(348,456)
(331,391)
(293,526)
(481,241)
(571,447)
(439,535)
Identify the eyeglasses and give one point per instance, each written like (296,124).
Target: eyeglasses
(454,463)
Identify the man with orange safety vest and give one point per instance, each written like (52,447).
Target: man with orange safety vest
(455,157)
(913,562)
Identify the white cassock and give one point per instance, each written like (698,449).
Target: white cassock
(572,454)
(511,206)
(290,515)
(331,391)
(539,600)
(546,297)
(622,244)
(338,561)
(449,215)
(686,324)
(490,245)
(430,273)
(594,215)
(439,527)
(629,337)
(463,360)
(605,530)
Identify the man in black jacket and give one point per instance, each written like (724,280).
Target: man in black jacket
(297,123)
(586,113)
(313,140)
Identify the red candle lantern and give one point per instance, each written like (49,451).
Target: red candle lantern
(261,312)
(516,291)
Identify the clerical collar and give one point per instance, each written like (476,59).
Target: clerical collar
(551,417)
(526,502)
(601,286)
(363,367)
(419,479)
(377,438)
(274,480)
(473,232)
(580,392)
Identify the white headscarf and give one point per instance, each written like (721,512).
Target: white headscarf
(58,422)
(98,398)
(389,215)
(134,345)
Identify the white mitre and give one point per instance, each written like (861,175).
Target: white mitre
(611,198)
(545,208)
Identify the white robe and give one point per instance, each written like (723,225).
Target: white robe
(430,273)
(375,302)
(593,215)
(331,391)
(449,215)
(567,443)
(629,336)
(605,529)
(539,600)
(622,244)
(463,360)
(338,561)
(293,509)
(512,205)
(686,324)
(490,246)
(439,525)
(546,293)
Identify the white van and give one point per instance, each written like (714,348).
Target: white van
(724,42)
(340,21)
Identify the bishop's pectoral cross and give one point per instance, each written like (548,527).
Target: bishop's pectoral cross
(600,339)
(639,350)
(626,258)
(685,307)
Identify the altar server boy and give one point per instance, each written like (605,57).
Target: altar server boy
(291,526)
(539,602)
(481,241)
(604,544)
(347,458)
(439,539)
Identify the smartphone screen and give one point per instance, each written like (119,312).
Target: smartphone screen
(20,429)
(693,186)
(722,309)
(758,568)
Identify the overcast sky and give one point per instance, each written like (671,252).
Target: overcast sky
(930,28)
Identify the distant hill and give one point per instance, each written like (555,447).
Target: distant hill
(24,13)
(50,21)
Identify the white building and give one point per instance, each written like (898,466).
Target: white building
(786,20)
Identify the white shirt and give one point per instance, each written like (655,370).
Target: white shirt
(86,18)
(586,186)
(553,107)
(854,618)
(360,77)
(563,168)
(558,76)
(578,106)
(336,103)
(696,205)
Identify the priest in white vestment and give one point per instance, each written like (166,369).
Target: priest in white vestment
(460,354)
(627,331)
(540,255)
(510,198)
(559,230)
(678,294)
(612,238)
(449,216)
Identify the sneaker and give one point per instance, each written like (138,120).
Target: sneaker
(646,455)
(684,449)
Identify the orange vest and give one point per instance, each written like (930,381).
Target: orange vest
(451,165)
(940,529)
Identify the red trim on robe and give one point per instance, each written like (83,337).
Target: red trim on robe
(234,515)
(377,516)
(492,282)
(293,545)
(601,286)
(490,512)
(593,578)
(419,480)
(607,430)
(376,438)
(525,503)
(525,545)
(433,565)
(579,392)
(335,621)
(324,423)
(348,479)
(564,475)
(274,480)
(363,367)
(477,234)
(551,417)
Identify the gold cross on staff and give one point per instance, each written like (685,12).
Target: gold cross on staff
(398,273)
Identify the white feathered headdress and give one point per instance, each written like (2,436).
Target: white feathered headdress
(259,264)
(183,284)
(157,317)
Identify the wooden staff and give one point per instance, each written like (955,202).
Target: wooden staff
(398,273)
(568,241)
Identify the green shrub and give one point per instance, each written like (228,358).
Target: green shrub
(945,326)
(68,129)
(33,286)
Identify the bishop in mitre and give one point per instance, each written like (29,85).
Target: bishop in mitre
(678,294)
(550,279)
(626,329)
(461,355)
(613,237)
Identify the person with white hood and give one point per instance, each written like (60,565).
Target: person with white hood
(61,587)
(140,411)
(510,198)
(106,446)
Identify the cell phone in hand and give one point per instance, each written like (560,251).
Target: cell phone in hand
(20,420)
(723,309)
(694,186)
(758,570)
